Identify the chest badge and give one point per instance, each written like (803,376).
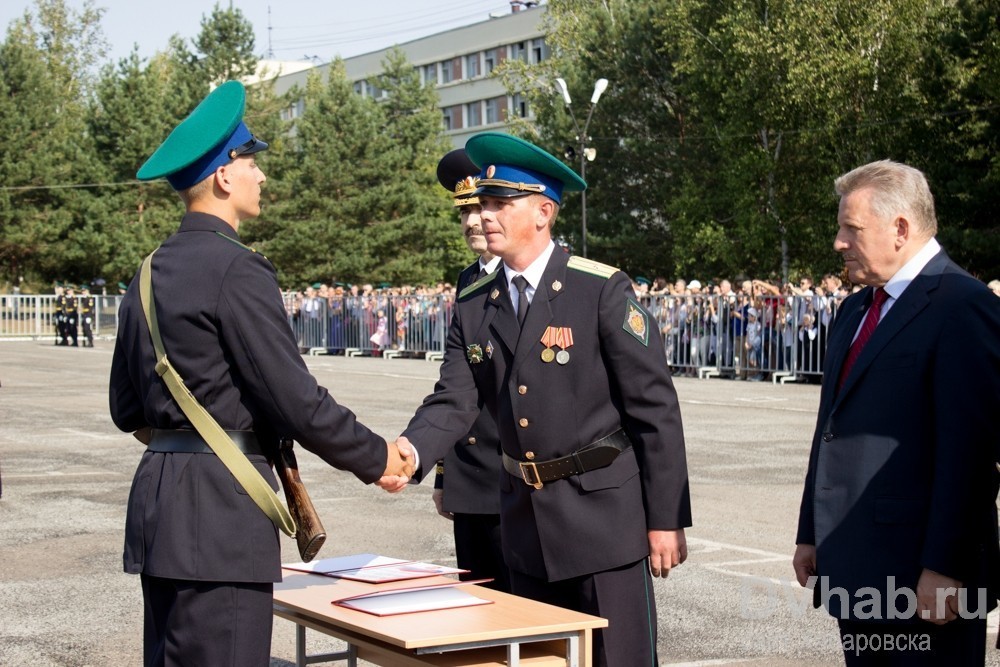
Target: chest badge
(474,353)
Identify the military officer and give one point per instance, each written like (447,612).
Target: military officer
(206,553)
(59,312)
(594,495)
(87,311)
(70,317)
(467,485)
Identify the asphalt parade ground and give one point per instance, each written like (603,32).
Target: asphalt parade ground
(66,472)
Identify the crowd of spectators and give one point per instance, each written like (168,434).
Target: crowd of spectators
(747,329)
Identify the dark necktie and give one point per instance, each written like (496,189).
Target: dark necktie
(483,273)
(522,299)
(867,329)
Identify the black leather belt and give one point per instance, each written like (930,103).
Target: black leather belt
(595,455)
(190,442)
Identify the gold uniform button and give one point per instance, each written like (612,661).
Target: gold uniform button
(472,440)
(522,390)
(529,455)
(523,422)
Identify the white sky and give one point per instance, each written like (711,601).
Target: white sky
(300,29)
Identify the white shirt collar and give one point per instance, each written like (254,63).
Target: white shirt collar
(533,274)
(902,278)
(490,266)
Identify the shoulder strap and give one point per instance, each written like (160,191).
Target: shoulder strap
(220,442)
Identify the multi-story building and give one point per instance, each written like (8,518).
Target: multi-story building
(458,62)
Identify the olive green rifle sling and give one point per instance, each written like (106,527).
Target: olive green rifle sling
(216,437)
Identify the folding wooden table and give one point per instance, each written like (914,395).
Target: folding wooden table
(512,632)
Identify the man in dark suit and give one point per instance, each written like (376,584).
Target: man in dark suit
(206,553)
(467,485)
(899,508)
(594,493)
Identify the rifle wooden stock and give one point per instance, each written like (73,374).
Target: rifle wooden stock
(310,534)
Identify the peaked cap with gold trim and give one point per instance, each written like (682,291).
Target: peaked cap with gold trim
(212,135)
(460,176)
(513,167)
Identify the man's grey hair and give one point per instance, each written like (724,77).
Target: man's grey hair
(897,190)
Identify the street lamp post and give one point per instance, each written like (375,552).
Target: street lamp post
(586,154)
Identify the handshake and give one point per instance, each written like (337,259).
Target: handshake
(400,465)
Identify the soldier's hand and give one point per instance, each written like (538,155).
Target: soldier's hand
(667,549)
(438,498)
(398,469)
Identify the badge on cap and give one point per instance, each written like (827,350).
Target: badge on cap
(636,322)
(491,170)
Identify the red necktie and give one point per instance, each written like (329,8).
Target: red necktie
(867,329)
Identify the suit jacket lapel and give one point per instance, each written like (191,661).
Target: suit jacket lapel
(913,299)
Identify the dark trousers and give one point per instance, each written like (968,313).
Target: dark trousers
(206,623)
(960,643)
(624,596)
(477,549)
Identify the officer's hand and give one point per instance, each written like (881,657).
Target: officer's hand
(937,597)
(667,549)
(438,498)
(398,469)
(804,563)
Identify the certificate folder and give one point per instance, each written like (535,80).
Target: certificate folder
(373,569)
(416,599)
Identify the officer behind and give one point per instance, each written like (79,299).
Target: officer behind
(467,485)
(70,320)
(87,312)
(206,553)
(594,495)
(60,314)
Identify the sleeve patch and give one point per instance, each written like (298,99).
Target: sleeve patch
(636,322)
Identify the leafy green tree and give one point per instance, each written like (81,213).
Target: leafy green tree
(352,195)
(46,159)
(226,42)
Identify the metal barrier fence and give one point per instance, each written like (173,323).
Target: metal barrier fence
(34,316)
(705,336)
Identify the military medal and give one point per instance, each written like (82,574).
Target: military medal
(561,337)
(489,349)
(474,353)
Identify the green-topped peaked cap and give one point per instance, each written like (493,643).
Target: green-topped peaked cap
(513,167)
(212,135)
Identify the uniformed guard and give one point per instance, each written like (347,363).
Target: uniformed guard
(87,312)
(467,485)
(59,314)
(70,316)
(207,554)
(594,495)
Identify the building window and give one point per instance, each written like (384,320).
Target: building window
(359,87)
(539,50)
(431,74)
(447,72)
(491,60)
(472,65)
(496,108)
(294,111)
(452,118)
(520,106)
(519,51)
(474,114)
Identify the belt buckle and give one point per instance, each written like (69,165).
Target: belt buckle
(525,467)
